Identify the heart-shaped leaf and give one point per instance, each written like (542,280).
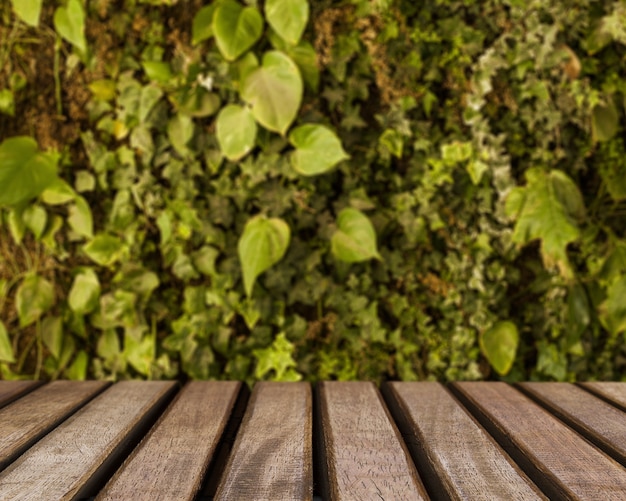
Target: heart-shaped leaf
(28,11)
(499,345)
(236,28)
(202,27)
(605,121)
(24,171)
(105,249)
(34,297)
(263,243)
(6,350)
(288,18)
(318,149)
(236,131)
(70,24)
(274,90)
(52,335)
(355,239)
(85,292)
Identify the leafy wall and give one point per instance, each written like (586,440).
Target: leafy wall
(371,189)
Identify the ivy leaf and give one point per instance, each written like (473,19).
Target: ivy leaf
(6,350)
(605,121)
(263,243)
(236,131)
(34,297)
(85,292)
(499,345)
(318,149)
(70,24)
(288,18)
(355,240)
(548,208)
(104,249)
(24,171)
(274,90)
(28,11)
(236,28)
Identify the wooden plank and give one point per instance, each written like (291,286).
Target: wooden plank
(456,457)
(25,421)
(613,391)
(272,457)
(12,390)
(562,463)
(171,462)
(69,462)
(362,453)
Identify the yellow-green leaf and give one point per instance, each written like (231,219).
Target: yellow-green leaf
(499,345)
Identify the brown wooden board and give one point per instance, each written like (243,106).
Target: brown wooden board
(23,422)
(272,455)
(69,462)
(612,391)
(171,462)
(562,463)
(362,453)
(457,459)
(12,390)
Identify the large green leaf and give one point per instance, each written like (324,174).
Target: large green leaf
(263,243)
(547,208)
(28,11)
(236,28)
(288,18)
(34,297)
(499,345)
(274,90)
(6,350)
(236,131)
(24,171)
(85,292)
(355,238)
(318,149)
(70,24)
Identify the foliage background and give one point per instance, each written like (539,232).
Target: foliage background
(486,143)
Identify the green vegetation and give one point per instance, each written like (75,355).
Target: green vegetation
(285,189)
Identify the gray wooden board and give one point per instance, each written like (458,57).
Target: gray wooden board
(26,420)
(64,463)
(456,457)
(613,391)
(363,454)
(272,457)
(171,462)
(562,463)
(12,390)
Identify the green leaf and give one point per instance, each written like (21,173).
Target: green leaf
(85,292)
(58,193)
(34,297)
(180,132)
(499,345)
(548,208)
(140,353)
(605,121)
(236,28)
(35,218)
(52,335)
(278,358)
(288,18)
(318,149)
(80,218)
(7,102)
(355,239)
(104,249)
(613,309)
(202,27)
(196,102)
(150,95)
(236,131)
(6,350)
(24,171)
(28,11)
(78,370)
(70,24)
(263,243)
(158,71)
(274,90)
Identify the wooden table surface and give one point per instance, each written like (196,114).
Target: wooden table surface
(292,441)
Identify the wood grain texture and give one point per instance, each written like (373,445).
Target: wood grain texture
(12,390)
(556,458)
(25,421)
(363,455)
(272,455)
(171,462)
(614,392)
(456,457)
(67,463)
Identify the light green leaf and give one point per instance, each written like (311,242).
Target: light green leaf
(158,71)
(236,28)
(196,102)
(202,27)
(355,239)
(103,90)
(70,24)
(34,297)
(80,218)
(499,345)
(613,309)
(52,335)
(288,18)
(104,249)
(277,358)
(85,292)
(28,11)
(318,149)
(605,121)
(180,132)
(35,218)
(78,370)
(140,353)
(6,350)
(7,102)
(24,171)
(236,131)
(274,90)
(58,193)
(392,141)
(149,97)
(263,243)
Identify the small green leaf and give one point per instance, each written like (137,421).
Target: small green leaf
(180,132)
(236,28)
(158,71)
(80,218)
(78,370)
(318,149)
(70,24)
(236,131)
(7,102)
(28,11)
(52,335)
(35,218)
(277,358)
(140,353)
(613,309)
(104,249)
(196,102)
(263,243)
(605,121)
(85,292)
(202,27)
(288,18)
(58,193)
(6,350)
(103,90)
(355,239)
(34,297)
(499,345)
(150,95)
